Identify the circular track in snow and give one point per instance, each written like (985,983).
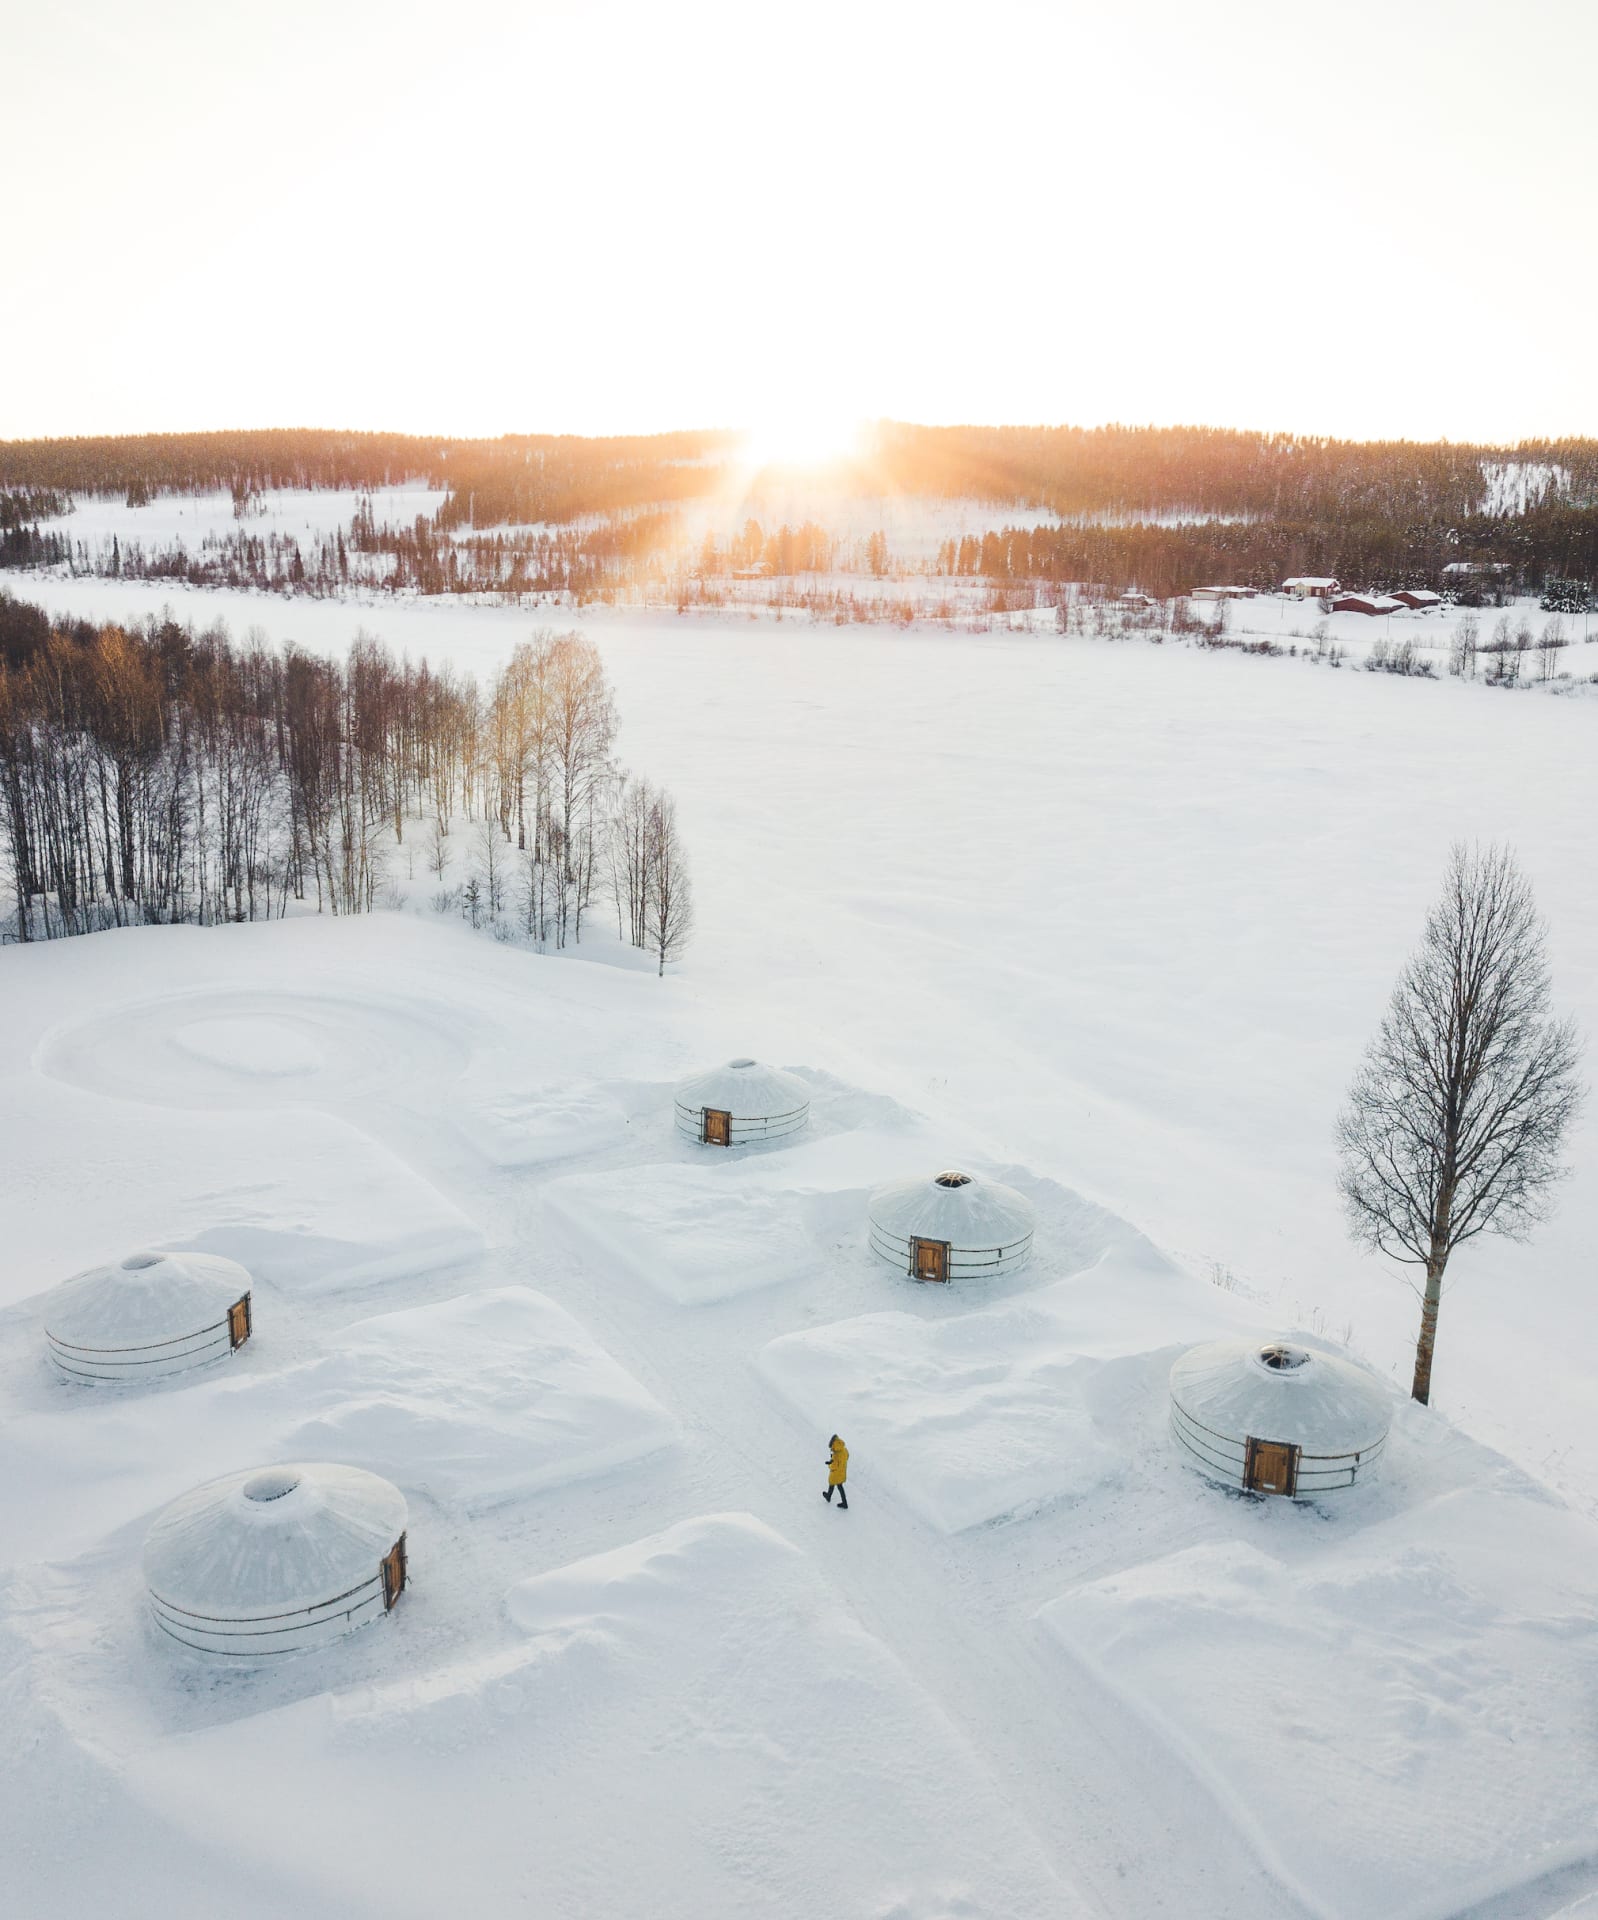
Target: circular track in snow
(252,1050)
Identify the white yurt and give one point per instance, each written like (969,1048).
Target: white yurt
(276,1560)
(148,1315)
(1273,1417)
(951,1226)
(741,1104)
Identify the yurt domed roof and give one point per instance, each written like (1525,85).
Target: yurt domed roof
(271,1541)
(747,1089)
(741,1104)
(962,1208)
(144,1300)
(1279,1390)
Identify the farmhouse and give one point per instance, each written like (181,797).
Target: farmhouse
(1369,603)
(1418,597)
(1309,586)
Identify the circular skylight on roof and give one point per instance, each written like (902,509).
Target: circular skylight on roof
(952,1179)
(1281,1358)
(272,1484)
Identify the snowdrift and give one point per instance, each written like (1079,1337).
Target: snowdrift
(1395,1716)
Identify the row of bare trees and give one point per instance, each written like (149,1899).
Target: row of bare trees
(159,775)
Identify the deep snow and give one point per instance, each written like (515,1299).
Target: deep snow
(1108,922)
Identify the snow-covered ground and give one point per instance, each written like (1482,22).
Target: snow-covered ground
(308,513)
(1108,921)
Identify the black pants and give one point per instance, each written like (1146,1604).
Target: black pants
(843,1498)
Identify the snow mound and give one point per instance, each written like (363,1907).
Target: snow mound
(691,1726)
(475,1400)
(694,1234)
(305,1201)
(478,1399)
(524,1128)
(250,1046)
(982,1415)
(1398,1719)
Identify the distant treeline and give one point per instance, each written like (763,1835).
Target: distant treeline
(1160,470)
(1376,554)
(1166,509)
(161,775)
(517,478)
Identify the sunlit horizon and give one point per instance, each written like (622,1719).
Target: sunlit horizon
(1360,222)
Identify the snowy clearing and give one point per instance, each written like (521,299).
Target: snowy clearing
(1107,922)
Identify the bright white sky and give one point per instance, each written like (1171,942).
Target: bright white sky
(1362,217)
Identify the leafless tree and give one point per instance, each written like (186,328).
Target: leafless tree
(582,729)
(1456,1119)
(438,848)
(1462,652)
(1551,644)
(671,900)
(630,842)
(491,846)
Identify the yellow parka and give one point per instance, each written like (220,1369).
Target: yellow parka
(838,1465)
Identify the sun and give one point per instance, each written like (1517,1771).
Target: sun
(811,438)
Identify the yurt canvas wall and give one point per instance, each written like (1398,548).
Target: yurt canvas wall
(1278,1417)
(951,1226)
(277,1560)
(148,1315)
(741,1104)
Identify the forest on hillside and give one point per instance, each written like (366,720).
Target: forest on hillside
(1165,509)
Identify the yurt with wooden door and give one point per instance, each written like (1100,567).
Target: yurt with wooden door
(149,1315)
(276,1560)
(951,1226)
(1275,1417)
(741,1104)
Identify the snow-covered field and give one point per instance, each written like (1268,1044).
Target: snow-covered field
(308,513)
(1108,921)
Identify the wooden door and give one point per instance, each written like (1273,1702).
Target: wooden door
(1271,1466)
(718,1128)
(395,1573)
(238,1322)
(929,1259)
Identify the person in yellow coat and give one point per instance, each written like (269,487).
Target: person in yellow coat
(837,1473)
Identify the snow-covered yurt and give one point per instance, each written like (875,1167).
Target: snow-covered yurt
(1273,1417)
(148,1315)
(276,1560)
(951,1226)
(741,1104)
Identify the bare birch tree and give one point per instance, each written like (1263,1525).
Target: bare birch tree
(671,901)
(1456,1119)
